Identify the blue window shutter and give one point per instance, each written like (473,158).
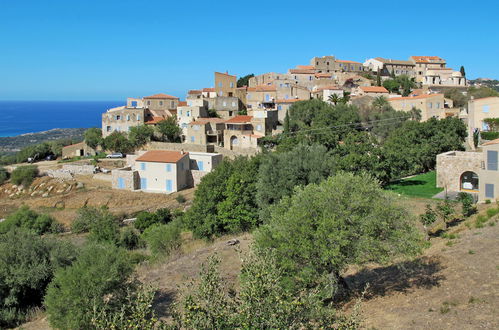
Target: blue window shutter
(489,190)
(491,160)
(200,165)
(143,166)
(121,183)
(168,167)
(143,183)
(169,185)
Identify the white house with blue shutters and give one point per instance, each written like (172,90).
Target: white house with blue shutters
(165,171)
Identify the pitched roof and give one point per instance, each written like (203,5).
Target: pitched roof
(262,88)
(427,59)
(194,91)
(330,87)
(154,120)
(208,90)
(241,119)
(305,67)
(289,100)
(226,74)
(346,61)
(423,96)
(496,141)
(391,61)
(161,96)
(162,156)
(374,89)
(182,103)
(323,75)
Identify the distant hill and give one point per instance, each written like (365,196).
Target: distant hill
(487,82)
(16,143)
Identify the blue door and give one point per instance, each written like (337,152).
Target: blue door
(121,183)
(143,183)
(169,185)
(200,165)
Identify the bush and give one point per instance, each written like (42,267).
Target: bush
(162,239)
(147,219)
(467,202)
(99,277)
(85,217)
(24,175)
(105,229)
(4,175)
(180,199)
(492,212)
(29,220)
(27,265)
(489,135)
(130,239)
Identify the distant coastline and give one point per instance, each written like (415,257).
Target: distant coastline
(9,144)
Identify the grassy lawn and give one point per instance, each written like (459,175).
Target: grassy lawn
(422,185)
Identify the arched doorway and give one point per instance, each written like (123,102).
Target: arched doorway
(234,142)
(469,181)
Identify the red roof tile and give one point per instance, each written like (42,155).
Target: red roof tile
(239,119)
(374,89)
(423,96)
(427,59)
(161,96)
(194,91)
(162,156)
(206,90)
(154,120)
(182,103)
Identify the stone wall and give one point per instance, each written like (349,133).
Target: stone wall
(131,178)
(451,165)
(58,174)
(79,169)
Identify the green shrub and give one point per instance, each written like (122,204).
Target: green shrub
(24,175)
(487,201)
(27,265)
(4,175)
(489,135)
(467,202)
(99,277)
(28,219)
(492,212)
(86,216)
(105,229)
(162,239)
(180,199)
(130,238)
(480,221)
(147,219)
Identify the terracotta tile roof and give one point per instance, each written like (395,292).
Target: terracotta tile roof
(225,74)
(305,67)
(154,120)
(427,59)
(262,88)
(323,75)
(206,90)
(194,91)
(496,141)
(374,89)
(289,100)
(330,87)
(423,96)
(161,96)
(301,71)
(256,136)
(345,61)
(182,103)
(162,156)
(239,119)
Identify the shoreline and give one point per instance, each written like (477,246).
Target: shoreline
(52,130)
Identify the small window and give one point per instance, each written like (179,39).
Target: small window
(160,102)
(168,167)
(148,102)
(231,85)
(258,127)
(108,128)
(184,125)
(138,117)
(279,107)
(489,190)
(118,117)
(225,103)
(192,139)
(491,160)
(172,105)
(142,166)
(128,117)
(430,105)
(485,108)
(188,113)
(233,103)
(437,105)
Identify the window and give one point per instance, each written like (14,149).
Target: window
(491,160)
(169,185)
(148,102)
(121,183)
(437,105)
(134,104)
(128,117)
(489,190)
(286,96)
(180,112)
(469,181)
(279,107)
(220,84)
(258,127)
(200,165)
(142,166)
(192,139)
(172,105)
(231,85)
(267,97)
(138,117)
(118,117)
(327,63)
(168,167)
(108,128)
(188,114)
(184,125)
(233,103)
(160,102)
(430,105)
(309,77)
(224,103)
(143,183)
(220,93)
(485,108)
(196,127)
(248,96)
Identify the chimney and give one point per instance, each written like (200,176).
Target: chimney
(182,152)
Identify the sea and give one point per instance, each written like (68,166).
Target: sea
(20,117)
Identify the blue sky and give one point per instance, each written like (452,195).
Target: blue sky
(108,50)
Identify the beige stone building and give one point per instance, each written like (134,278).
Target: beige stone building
(373,91)
(471,172)
(239,133)
(387,66)
(206,131)
(431,105)
(225,84)
(423,63)
(350,66)
(478,110)
(77,150)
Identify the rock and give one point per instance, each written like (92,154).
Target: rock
(60,205)
(33,193)
(232,242)
(45,195)
(80,185)
(14,186)
(49,189)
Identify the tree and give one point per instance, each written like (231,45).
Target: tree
(99,277)
(29,220)
(467,203)
(117,142)
(162,239)
(458,98)
(244,81)
(27,265)
(24,175)
(463,72)
(481,92)
(322,228)
(146,219)
(140,135)
(4,175)
(345,98)
(334,99)
(93,137)
(428,218)
(380,102)
(212,113)
(391,85)
(169,130)
(378,78)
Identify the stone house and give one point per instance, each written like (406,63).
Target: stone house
(423,63)
(387,66)
(80,149)
(478,111)
(431,105)
(225,84)
(373,91)
(471,172)
(206,131)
